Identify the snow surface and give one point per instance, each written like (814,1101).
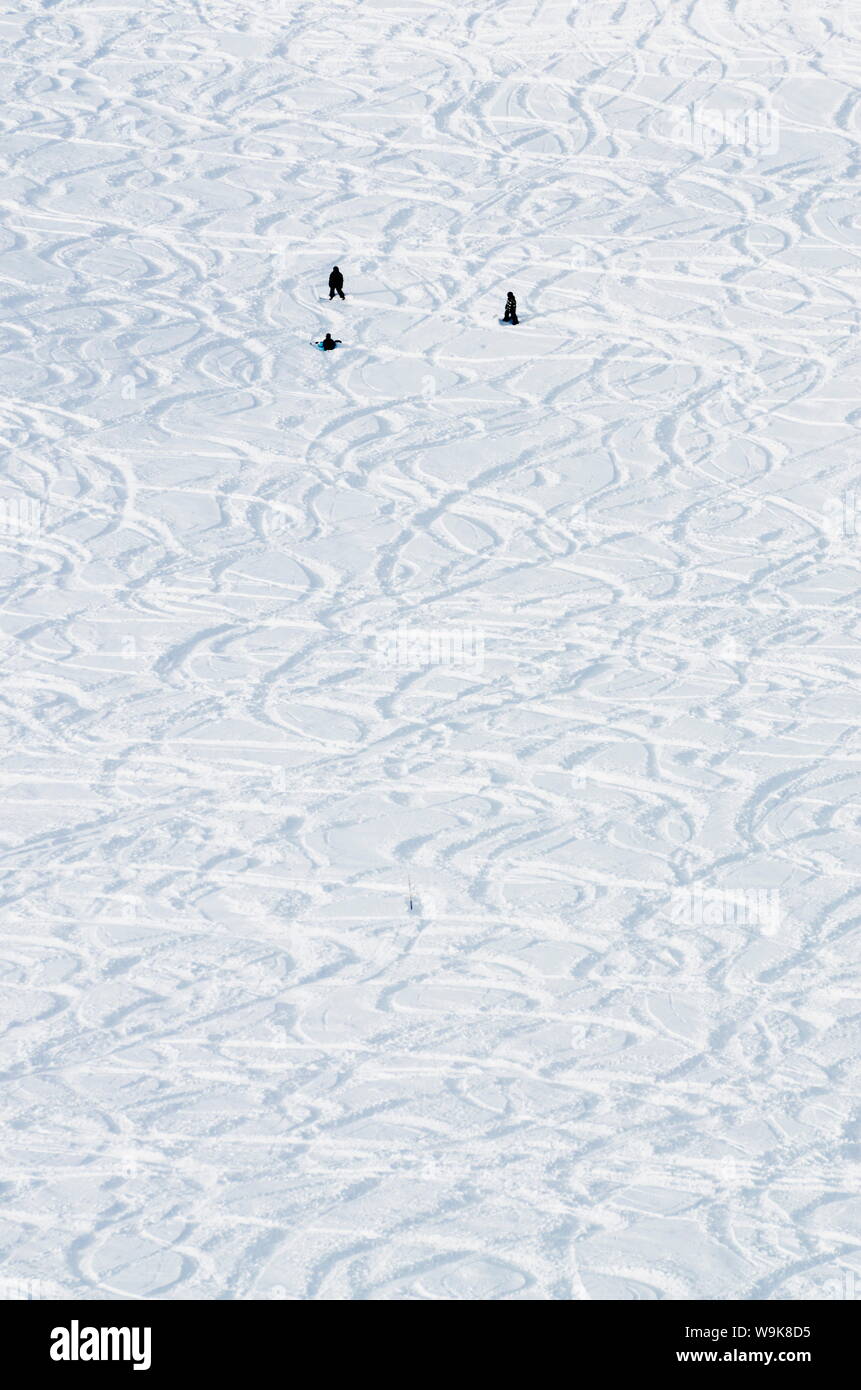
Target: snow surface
(552,626)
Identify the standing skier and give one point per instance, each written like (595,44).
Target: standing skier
(510,315)
(336,283)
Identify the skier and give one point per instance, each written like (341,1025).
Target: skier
(336,283)
(329,343)
(510,315)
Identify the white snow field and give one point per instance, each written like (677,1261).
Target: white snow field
(552,626)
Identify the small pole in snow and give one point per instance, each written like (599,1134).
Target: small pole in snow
(410,886)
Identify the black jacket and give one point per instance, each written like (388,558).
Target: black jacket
(336,279)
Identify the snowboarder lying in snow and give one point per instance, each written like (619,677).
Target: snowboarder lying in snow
(510,315)
(336,283)
(329,343)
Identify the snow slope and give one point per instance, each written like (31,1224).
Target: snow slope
(553,625)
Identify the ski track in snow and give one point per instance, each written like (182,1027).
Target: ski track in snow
(235,1065)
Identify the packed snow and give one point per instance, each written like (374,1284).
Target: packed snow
(430,853)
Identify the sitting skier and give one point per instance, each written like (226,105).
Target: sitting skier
(510,315)
(329,343)
(336,283)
